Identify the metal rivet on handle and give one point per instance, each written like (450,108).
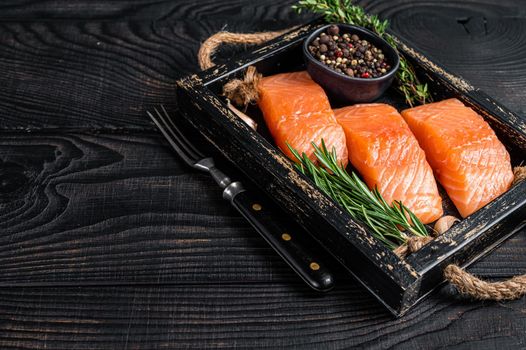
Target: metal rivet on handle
(286,237)
(257,207)
(314,266)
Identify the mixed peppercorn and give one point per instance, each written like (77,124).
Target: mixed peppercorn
(348,54)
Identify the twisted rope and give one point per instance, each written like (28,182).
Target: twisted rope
(469,285)
(243,91)
(210,45)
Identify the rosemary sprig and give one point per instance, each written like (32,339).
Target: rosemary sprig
(346,12)
(391,224)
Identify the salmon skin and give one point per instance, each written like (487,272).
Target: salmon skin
(387,155)
(297,112)
(468,159)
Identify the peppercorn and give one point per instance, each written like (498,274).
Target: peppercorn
(348,54)
(333,30)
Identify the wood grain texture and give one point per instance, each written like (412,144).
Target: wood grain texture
(246,316)
(102,74)
(114,209)
(113,10)
(97,75)
(79,74)
(122,209)
(150,44)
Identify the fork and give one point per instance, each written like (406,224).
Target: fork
(289,242)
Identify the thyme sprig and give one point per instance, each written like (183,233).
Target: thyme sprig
(391,224)
(346,12)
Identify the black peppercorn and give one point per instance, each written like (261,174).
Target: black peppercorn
(348,54)
(333,30)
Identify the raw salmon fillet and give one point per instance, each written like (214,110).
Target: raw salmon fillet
(468,159)
(387,155)
(297,111)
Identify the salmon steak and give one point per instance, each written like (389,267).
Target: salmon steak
(297,111)
(387,155)
(468,159)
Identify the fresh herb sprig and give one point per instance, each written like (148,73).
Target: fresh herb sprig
(346,12)
(391,224)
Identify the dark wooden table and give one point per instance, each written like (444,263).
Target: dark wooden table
(107,241)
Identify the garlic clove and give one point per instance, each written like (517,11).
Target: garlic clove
(444,223)
(243,116)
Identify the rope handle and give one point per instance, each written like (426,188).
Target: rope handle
(466,283)
(210,45)
(469,285)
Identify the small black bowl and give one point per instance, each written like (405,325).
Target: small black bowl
(351,89)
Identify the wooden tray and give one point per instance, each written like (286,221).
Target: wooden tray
(397,283)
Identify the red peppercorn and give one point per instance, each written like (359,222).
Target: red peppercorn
(348,54)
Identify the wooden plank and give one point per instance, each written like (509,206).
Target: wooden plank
(211,314)
(78,208)
(247,316)
(118,209)
(97,75)
(106,73)
(263,10)
(115,10)
(148,52)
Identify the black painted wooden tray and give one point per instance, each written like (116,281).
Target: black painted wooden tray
(397,283)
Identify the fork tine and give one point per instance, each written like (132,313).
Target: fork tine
(188,157)
(180,136)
